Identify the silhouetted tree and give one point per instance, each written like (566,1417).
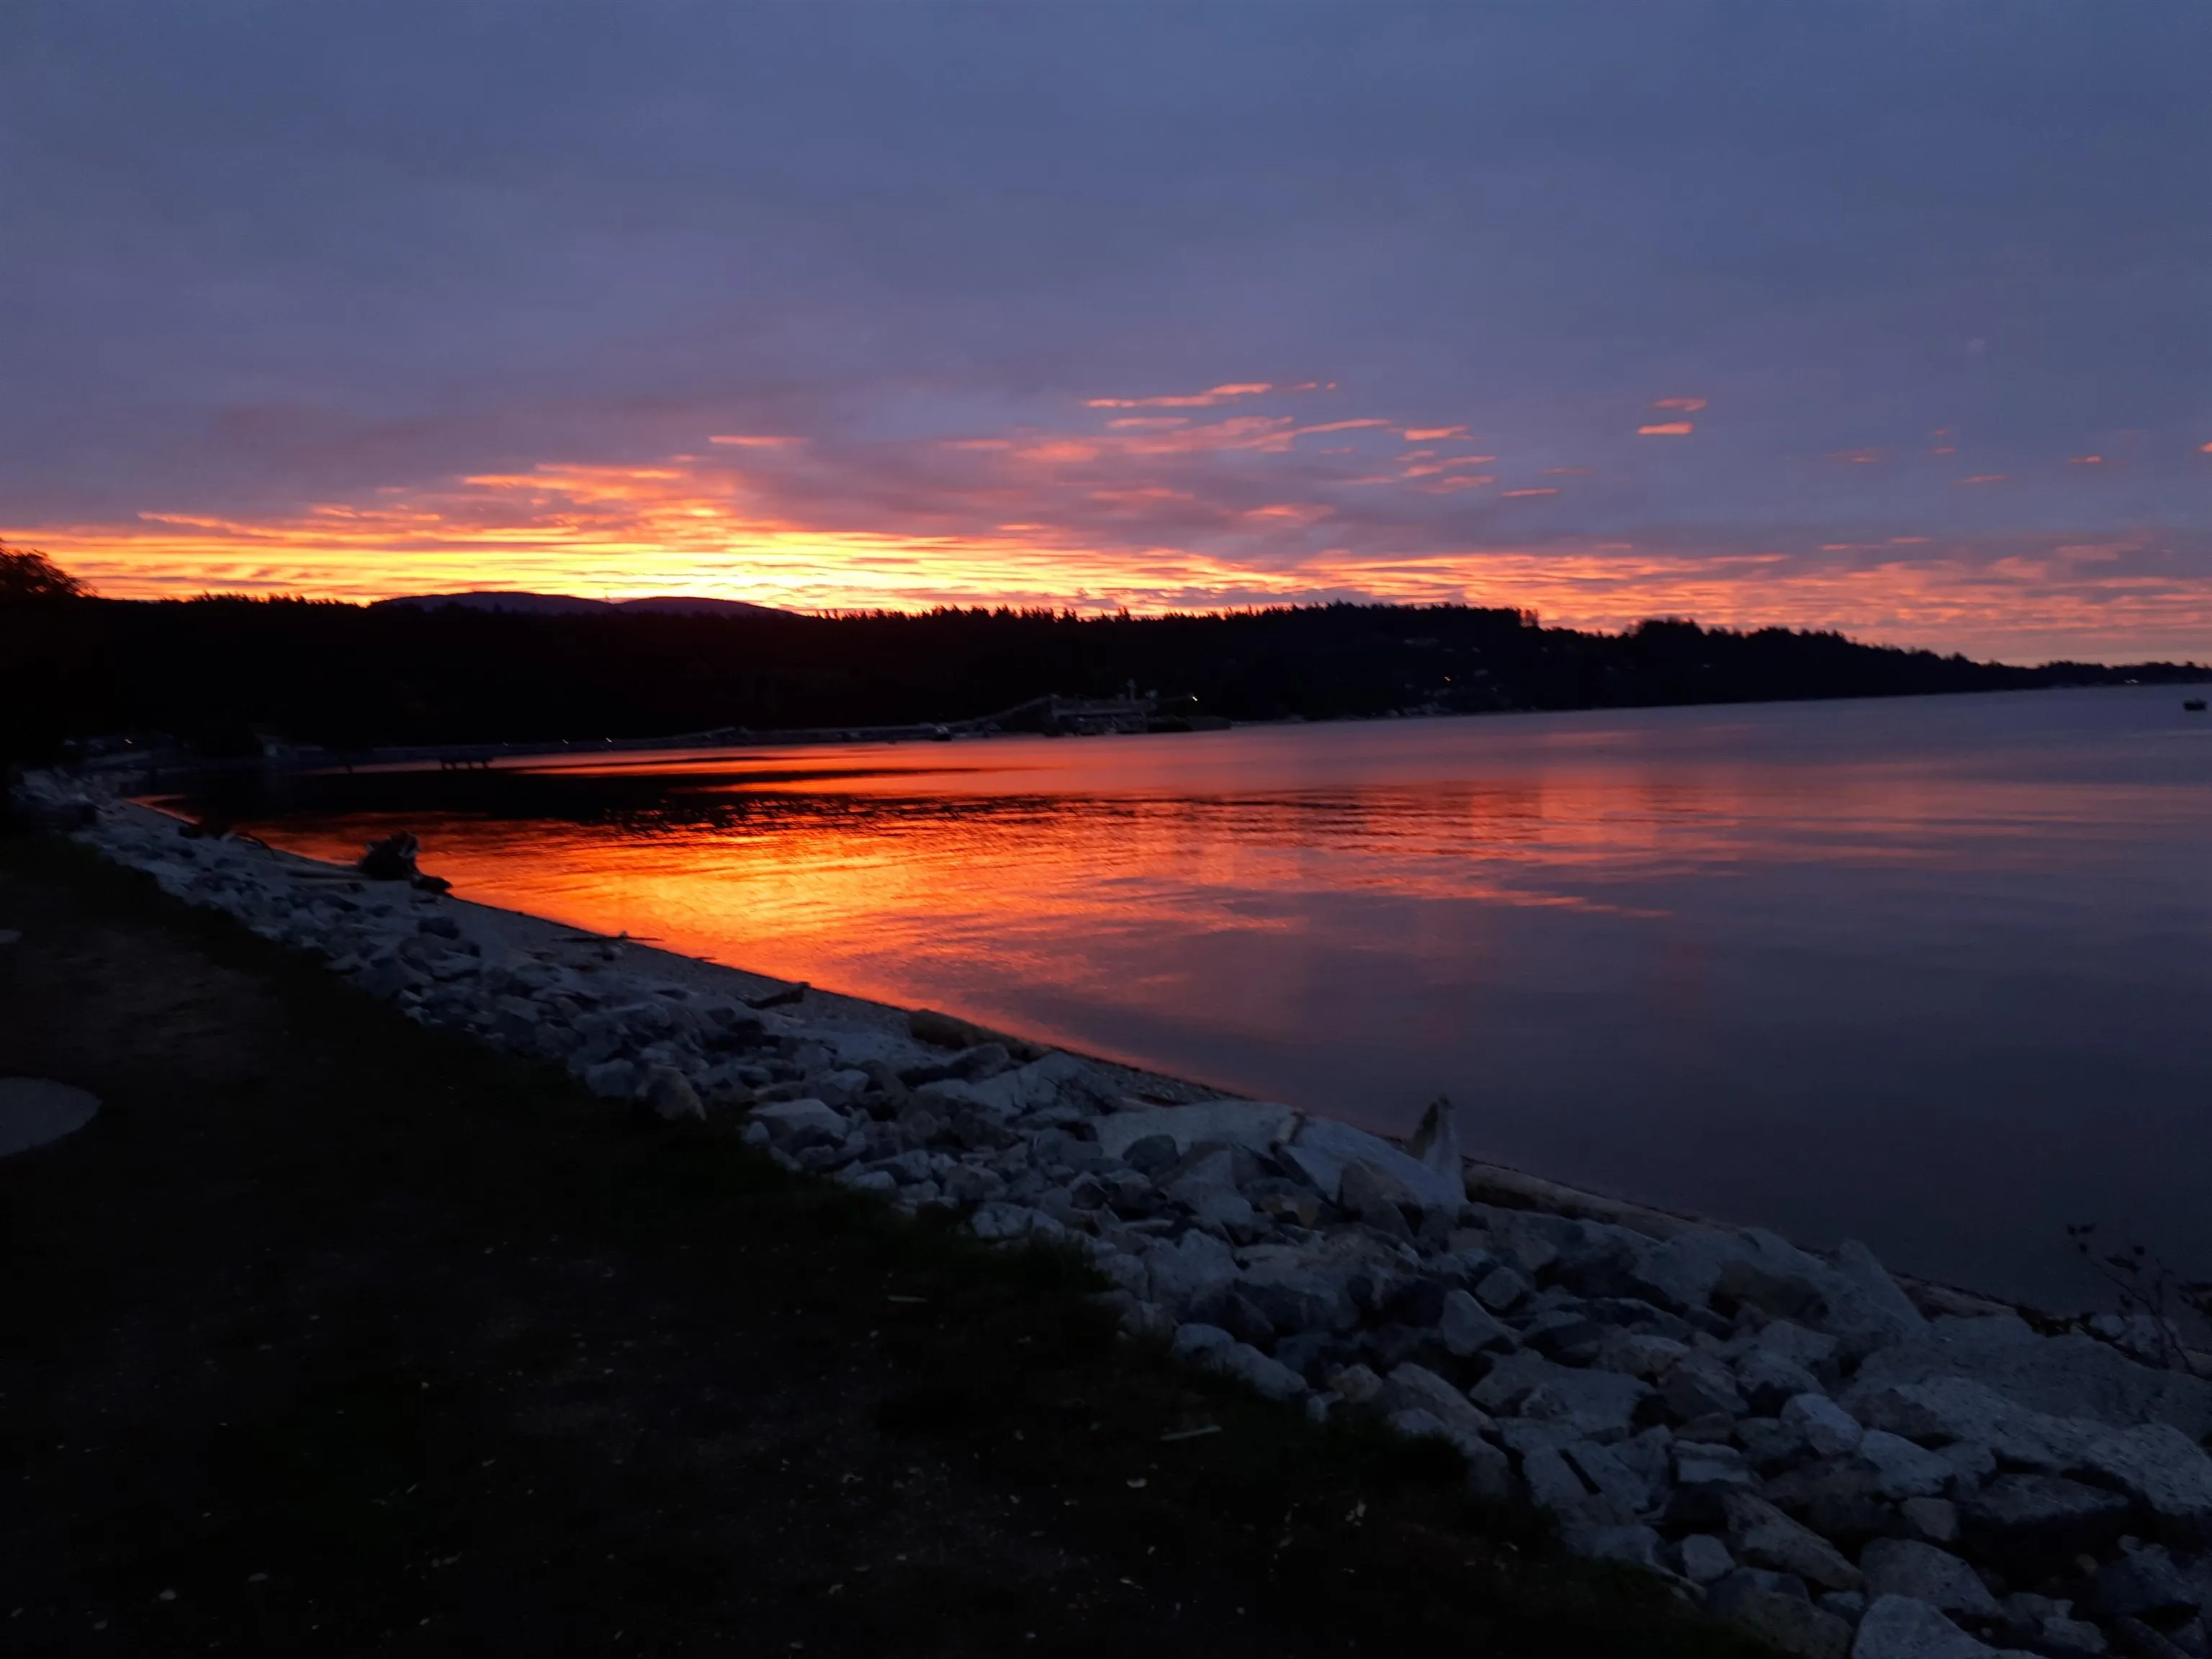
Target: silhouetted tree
(26,574)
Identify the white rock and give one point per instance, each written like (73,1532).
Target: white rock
(1828,1428)
(799,1119)
(2070,1376)
(1467,1327)
(1233,1122)
(1898,1566)
(998,1221)
(1762,1534)
(1905,1469)
(1186,1270)
(1416,1386)
(1596,1405)
(1705,1557)
(1898,1627)
(1324,1150)
(1195,1338)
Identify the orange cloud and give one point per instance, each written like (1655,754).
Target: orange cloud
(1666,429)
(1687,405)
(2086,460)
(1859,456)
(752,440)
(1422,434)
(1504,493)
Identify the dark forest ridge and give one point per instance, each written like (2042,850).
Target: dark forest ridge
(221,672)
(572,604)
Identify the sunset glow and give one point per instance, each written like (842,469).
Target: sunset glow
(1550,348)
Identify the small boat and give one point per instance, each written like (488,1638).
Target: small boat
(2192,705)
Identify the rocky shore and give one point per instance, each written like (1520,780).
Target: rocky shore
(1841,1463)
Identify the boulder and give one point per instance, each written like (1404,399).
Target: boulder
(2071,1376)
(1500,1289)
(1957,1409)
(1898,1566)
(1829,1430)
(1768,1380)
(670,1094)
(793,1124)
(1229,1122)
(617,1079)
(1297,1298)
(1243,1363)
(1184,1271)
(2145,1583)
(1763,1535)
(1416,1386)
(1934,1520)
(1773,1607)
(1623,1489)
(1705,1464)
(1905,1470)
(1324,1151)
(1898,1627)
(1466,1327)
(2161,1470)
(1636,1353)
(1857,1304)
(1632,1545)
(1701,1557)
(1700,1387)
(1596,1405)
(2031,1524)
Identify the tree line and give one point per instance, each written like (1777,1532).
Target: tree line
(220,674)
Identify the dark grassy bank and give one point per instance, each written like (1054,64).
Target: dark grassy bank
(216,672)
(333,1334)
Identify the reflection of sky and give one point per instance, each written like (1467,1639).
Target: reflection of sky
(1885,318)
(1931,969)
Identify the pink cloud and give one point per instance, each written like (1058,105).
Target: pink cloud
(1982,478)
(1205,399)
(1687,405)
(1666,429)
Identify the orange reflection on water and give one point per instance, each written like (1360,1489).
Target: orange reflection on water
(1204,878)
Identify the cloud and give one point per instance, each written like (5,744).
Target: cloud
(1983,478)
(1422,434)
(1687,405)
(1859,456)
(1666,429)
(2086,460)
(1508,495)
(1205,399)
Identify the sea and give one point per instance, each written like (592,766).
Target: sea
(1934,973)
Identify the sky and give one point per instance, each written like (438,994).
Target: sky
(1890,318)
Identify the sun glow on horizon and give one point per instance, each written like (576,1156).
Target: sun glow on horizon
(1147,513)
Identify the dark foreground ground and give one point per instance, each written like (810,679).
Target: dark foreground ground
(333,1335)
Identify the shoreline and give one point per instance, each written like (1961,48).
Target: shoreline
(1504,1185)
(1716,1405)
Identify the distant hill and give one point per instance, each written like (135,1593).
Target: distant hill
(571,605)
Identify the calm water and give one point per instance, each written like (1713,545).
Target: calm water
(1933,972)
